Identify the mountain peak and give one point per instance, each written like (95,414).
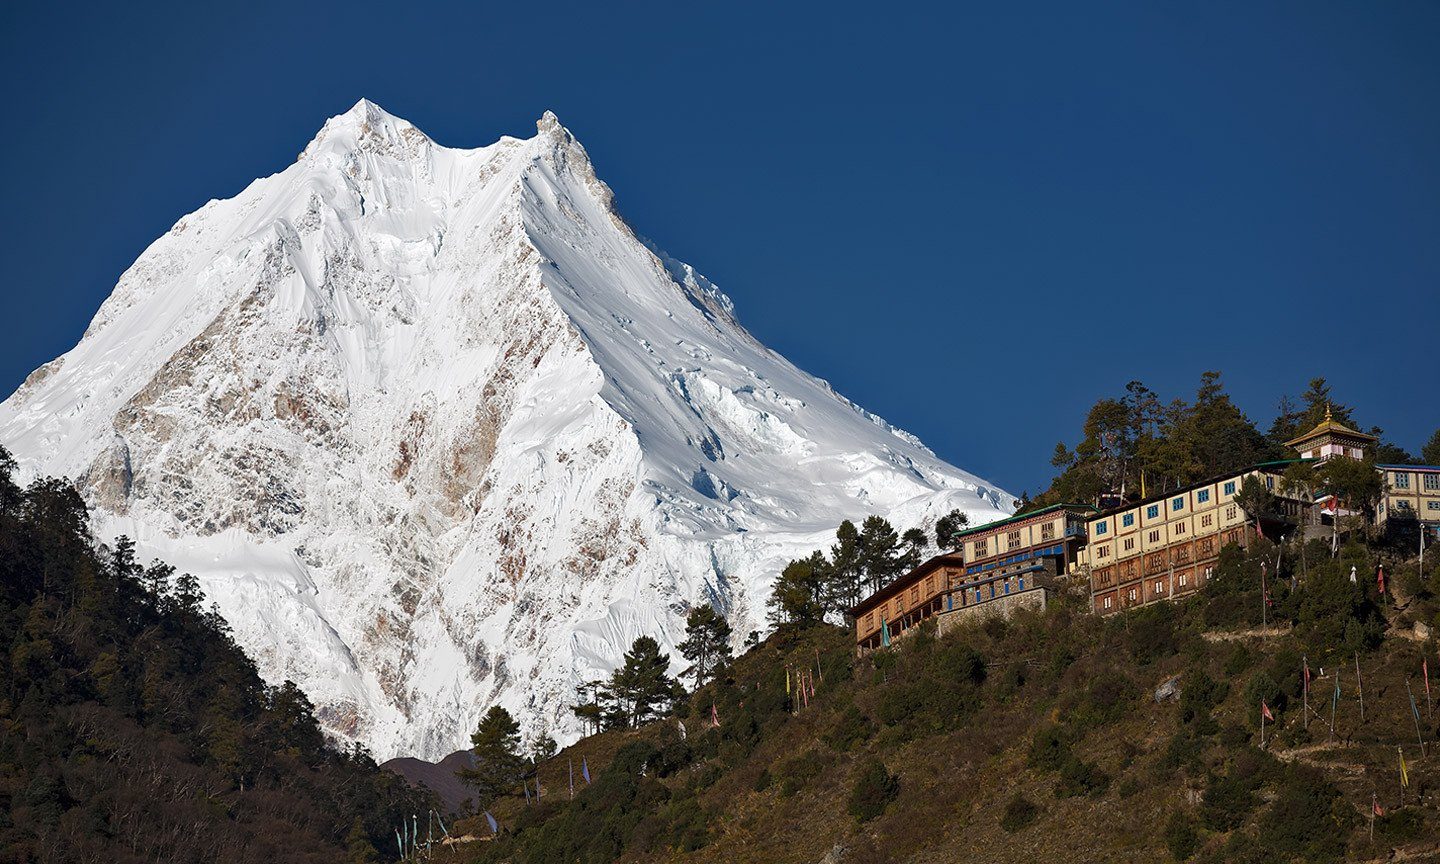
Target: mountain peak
(365,126)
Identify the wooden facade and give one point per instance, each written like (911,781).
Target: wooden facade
(909,600)
(1166,546)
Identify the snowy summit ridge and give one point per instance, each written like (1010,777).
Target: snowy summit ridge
(437,430)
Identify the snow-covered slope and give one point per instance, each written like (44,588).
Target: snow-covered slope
(436,429)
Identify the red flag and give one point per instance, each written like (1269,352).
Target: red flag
(714,715)
(1265,711)
(1380,577)
(1375,804)
(1425,668)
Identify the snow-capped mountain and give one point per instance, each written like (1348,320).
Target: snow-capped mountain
(435,429)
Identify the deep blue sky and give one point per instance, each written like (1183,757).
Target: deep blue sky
(971,221)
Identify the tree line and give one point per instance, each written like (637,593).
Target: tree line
(1139,442)
(133,728)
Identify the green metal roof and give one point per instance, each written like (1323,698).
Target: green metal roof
(989,526)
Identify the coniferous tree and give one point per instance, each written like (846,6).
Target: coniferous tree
(642,688)
(358,848)
(881,555)
(498,765)
(543,748)
(844,573)
(917,547)
(949,526)
(803,592)
(707,643)
(1430,453)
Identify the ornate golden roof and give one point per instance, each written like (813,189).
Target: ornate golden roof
(1330,426)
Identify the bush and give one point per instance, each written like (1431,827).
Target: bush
(1019,812)
(1078,777)
(851,729)
(875,787)
(1180,836)
(1229,801)
(795,773)
(1199,696)
(1150,632)
(1304,801)
(1049,748)
(1239,660)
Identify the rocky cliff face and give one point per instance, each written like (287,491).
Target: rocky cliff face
(436,429)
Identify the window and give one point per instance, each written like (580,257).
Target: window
(915,595)
(1159,587)
(1129,543)
(1177,503)
(980,548)
(1270,483)
(1202,496)
(1154,537)
(1432,482)
(1007,587)
(1230,512)
(1132,594)
(1179,527)
(1107,602)
(1402,480)
(1152,512)
(1101,528)
(1047,531)
(1230,487)
(1022,583)
(1207,520)
(1209,571)
(1012,540)
(1127,520)
(1432,505)
(1184,577)
(1102,551)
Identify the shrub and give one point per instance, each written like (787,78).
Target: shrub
(875,787)
(1049,748)
(795,773)
(852,728)
(1151,632)
(1304,801)
(1078,777)
(1229,801)
(1019,812)
(1180,836)
(1239,660)
(763,781)
(1199,695)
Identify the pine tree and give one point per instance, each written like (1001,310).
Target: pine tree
(358,848)
(642,688)
(498,763)
(543,748)
(881,558)
(707,643)
(803,592)
(949,526)
(1431,451)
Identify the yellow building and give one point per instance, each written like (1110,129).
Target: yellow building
(1412,492)
(1166,545)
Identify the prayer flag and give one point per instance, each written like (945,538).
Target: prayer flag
(787,680)
(1404,774)
(1380,577)
(1265,711)
(585,770)
(885,632)
(1375,807)
(571,764)
(714,715)
(490,820)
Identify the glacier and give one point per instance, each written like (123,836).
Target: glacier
(436,429)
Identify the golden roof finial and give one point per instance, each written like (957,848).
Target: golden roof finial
(1327,412)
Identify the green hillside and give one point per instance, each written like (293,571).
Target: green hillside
(1038,736)
(133,729)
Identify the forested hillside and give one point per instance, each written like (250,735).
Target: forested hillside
(1053,736)
(132,729)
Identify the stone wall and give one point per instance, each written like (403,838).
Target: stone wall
(1002,606)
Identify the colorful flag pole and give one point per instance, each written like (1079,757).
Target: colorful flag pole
(1264,592)
(1374,811)
(1264,715)
(1404,775)
(1415,711)
(570,763)
(885,632)
(1334,703)
(819,671)
(1360,687)
(1305,689)
(399,844)
(525,784)
(585,770)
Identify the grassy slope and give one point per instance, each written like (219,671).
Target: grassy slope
(960,751)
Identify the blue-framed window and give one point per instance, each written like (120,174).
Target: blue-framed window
(1022,578)
(1101,528)
(1202,496)
(1127,520)
(1229,487)
(1177,503)
(1402,480)
(1152,512)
